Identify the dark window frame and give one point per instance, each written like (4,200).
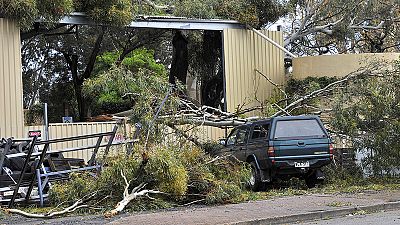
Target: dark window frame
(321,132)
(261,130)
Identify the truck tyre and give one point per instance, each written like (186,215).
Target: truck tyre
(311,180)
(315,178)
(255,182)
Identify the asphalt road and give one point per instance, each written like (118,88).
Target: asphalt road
(381,218)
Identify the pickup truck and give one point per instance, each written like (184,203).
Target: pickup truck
(281,147)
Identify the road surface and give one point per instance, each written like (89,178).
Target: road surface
(381,218)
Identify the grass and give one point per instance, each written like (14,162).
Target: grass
(2,215)
(297,187)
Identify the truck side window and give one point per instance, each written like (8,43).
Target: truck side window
(231,139)
(241,136)
(260,131)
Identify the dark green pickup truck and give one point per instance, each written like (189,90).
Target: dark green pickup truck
(281,147)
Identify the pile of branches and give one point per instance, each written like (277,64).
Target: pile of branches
(191,113)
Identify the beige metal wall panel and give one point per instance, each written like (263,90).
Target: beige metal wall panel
(62,130)
(338,65)
(211,133)
(244,53)
(11,108)
(203,133)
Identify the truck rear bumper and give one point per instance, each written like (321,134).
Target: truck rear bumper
(288,166)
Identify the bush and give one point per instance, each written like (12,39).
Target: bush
(184,172)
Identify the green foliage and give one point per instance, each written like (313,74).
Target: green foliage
(166,166)
(27,11)
(34,116)
(137,59)
(114,12)
(23,11)
(201,9)
(230,180)
(121,12)
(140,79)
(183,172)
(368,112)
(77,187)
(342,176)
(302,87)
(240,10)
(298,88)
(53,9)
(250,12)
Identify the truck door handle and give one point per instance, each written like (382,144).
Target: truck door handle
(300,143)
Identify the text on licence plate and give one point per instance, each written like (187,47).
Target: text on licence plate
(302,164)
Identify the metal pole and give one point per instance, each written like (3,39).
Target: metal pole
(274,43)
(40,190)
(46,122)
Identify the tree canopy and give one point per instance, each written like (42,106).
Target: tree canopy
(121,12)
(339,26)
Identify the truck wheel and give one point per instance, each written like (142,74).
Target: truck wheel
(315,178)
(311,181)
(255,182)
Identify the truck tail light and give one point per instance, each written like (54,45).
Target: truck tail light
(331,151)
(271,151)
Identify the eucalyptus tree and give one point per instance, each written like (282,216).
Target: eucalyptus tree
(341,26)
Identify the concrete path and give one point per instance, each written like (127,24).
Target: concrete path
(274,211)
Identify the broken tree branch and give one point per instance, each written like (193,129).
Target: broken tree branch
(329,87)
(77,205)
(272,82)
(128,197)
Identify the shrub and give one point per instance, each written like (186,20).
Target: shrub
(184,172)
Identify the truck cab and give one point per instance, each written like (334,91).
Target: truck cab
(281,147)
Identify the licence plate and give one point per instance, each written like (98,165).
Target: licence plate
(302,164)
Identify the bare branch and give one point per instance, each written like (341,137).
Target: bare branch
(128,197)
(366,27)
(77,205)
(329,87)
(272,82)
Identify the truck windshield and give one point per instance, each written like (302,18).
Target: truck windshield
(298,128)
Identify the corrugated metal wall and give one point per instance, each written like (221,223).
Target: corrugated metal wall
(244,53)
(211,133)
(62,130)
(11,108)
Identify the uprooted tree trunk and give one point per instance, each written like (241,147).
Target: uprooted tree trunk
(81,203)
(128,197)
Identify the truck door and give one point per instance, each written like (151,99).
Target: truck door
(258,143)
(239,149)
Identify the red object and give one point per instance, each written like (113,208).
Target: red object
(331,151)
(271,151)
(33,133)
